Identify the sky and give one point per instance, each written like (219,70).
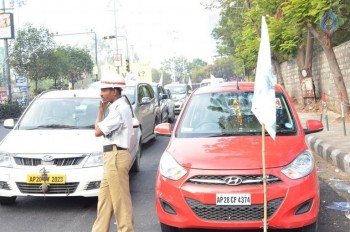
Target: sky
(154,29)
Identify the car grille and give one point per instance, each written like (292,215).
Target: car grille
(220,180)
(233,212)
(58,162)
(66,188)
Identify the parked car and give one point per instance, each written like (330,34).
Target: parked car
(52,150)
(171,105)
(180,93)
(162,100)
(145,106)
(211,175)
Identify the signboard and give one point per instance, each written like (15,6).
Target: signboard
(21,81)
(307,87)
(117,59)
(6,26)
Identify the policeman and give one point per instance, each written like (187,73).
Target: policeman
(117,129)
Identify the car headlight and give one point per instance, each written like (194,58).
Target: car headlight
(95,159)
(5,160)
(169,168)
(300,167)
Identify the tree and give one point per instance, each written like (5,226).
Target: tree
(178,67)
(29,44)
(79,63)
(311,15)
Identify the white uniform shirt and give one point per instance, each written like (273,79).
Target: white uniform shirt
(117,126)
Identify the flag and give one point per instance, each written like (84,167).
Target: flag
(212,77)
(190,82)
(161,79)
(264,102)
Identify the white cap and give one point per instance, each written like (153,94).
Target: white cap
(112,81)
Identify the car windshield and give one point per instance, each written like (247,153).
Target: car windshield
(229,114)
(60,113)
(177,89)
(129,91)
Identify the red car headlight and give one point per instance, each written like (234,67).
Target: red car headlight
(170,168)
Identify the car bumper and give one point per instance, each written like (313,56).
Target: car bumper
(292,195)
(79,182)
(178,107)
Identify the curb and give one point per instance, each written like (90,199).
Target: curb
(329,153)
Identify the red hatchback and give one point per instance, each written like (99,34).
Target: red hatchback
(211,176)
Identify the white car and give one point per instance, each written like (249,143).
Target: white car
(52,150)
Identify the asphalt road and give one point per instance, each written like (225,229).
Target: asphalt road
(78,214)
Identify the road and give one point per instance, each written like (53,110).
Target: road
(78,214)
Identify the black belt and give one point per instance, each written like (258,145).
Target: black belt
(108,148)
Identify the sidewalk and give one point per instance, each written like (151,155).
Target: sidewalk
(333,145)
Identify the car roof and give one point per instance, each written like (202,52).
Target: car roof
(79,93)
(231,86)
(176,84)
(134,83)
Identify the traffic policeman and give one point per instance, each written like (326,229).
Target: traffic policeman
(117,128)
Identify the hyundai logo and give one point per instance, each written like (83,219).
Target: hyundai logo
(233,180)
(47,158)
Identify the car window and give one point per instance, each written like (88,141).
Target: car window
(229,113)
(151,92)
(144,91)
(60,113)
(177,89)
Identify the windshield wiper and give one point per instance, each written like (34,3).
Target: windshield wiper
(285,132)
(238,133)
(53,126)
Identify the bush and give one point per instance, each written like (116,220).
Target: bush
(10,110)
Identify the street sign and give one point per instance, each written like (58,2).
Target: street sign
(21,81)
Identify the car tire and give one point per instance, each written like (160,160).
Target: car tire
(310,228)
(166,228)
(170,119)
(7,200)
(136,165)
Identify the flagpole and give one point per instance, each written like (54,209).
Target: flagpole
(264,176)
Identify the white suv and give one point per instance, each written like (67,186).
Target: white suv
(52,150)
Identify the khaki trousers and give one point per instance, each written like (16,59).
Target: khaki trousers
(114,196)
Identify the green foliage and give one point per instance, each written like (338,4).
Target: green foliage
(34,54)
(12,110)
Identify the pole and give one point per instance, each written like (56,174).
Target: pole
(264,176)
(116,30)
(7,63)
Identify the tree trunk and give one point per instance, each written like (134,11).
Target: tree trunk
(304,63)
(278,70)
(325,41)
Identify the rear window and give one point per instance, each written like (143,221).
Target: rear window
(229,113)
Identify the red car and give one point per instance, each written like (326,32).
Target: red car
(211,176)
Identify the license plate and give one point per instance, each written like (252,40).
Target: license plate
(233,199)
(52,179)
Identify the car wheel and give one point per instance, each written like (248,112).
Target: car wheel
(166,228)
(155,135)
(171,119)
(310,228)
(136,165)
(7,200)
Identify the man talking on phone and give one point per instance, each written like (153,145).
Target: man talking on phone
(117,128)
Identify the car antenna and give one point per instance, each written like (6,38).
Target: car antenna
(237,87)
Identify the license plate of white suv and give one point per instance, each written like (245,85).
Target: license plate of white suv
(233,199)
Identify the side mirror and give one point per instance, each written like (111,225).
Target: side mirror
(163,96)
(163,129)
(146,100)
(313,126)
(9,123)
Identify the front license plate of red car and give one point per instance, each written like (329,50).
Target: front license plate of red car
(233,199)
